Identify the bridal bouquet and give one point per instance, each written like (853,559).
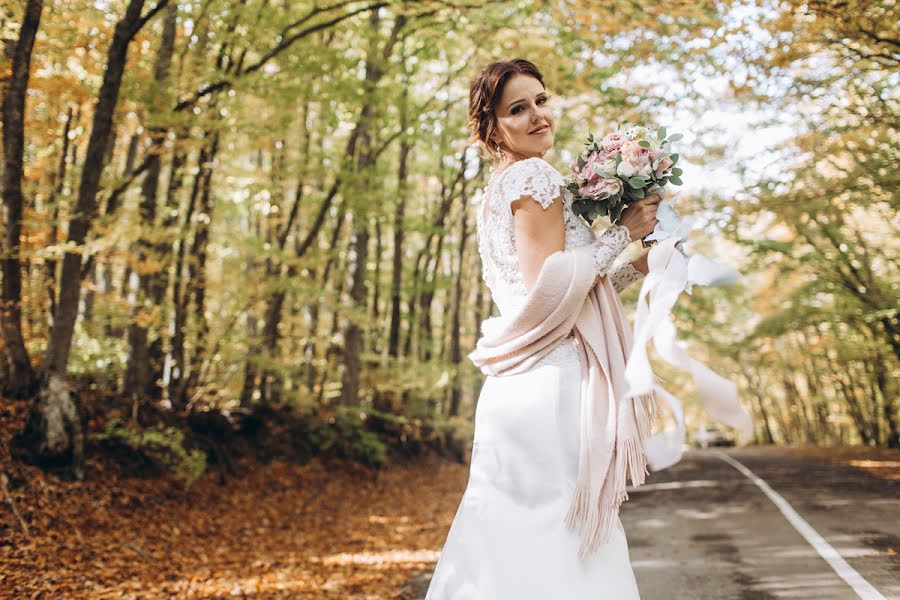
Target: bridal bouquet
(621,168)
(607,176)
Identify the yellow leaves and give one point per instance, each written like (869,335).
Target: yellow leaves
(148,317)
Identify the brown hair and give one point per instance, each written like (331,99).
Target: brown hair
(484,94)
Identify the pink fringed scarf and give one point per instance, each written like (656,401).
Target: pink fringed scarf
(613,426)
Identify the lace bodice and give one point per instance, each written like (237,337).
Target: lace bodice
(536,178)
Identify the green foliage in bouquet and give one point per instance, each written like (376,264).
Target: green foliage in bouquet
(622,168)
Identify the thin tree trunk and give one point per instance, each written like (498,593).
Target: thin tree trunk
(143,372)
(21,378)
(397,260)
(197,272)
(456,356)
(53,206)
(354,332)
(315,310)
(166,249)
(177,360)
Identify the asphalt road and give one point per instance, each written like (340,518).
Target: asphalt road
(702,529)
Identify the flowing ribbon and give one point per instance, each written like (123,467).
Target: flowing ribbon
(671,272)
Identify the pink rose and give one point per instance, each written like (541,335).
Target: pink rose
(601,188)
(599,161)
(611,143)
(634,152)
(635,160)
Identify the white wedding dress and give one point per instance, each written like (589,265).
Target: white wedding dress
(508,540)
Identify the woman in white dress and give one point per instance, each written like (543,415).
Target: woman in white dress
(508,540)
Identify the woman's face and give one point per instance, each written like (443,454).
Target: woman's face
(526,124)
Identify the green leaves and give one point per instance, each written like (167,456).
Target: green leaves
(637,182)
(644,144)
(661,134)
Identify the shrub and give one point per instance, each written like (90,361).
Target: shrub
(164,446)
(345,434)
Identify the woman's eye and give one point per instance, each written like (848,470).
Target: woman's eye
(540,100)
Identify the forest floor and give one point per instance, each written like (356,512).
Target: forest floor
(325,529)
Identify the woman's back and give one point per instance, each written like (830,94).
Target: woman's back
(538,179)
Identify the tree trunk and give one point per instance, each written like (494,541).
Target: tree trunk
(353,333)
(55,414)
(143,373)
(177,359)
(316,308)
(197,272)
(456,356)
(53,205)
(397,260)
(21,379)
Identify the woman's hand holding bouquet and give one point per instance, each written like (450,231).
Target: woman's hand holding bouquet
(612,176)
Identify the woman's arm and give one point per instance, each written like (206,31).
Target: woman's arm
(627,273)
(607,247)
(539,232)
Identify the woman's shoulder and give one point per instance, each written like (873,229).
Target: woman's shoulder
(533,177)
(533,165)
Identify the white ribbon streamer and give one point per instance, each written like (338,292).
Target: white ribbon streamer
(671,272)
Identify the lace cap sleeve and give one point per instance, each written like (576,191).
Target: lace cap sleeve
(533,177)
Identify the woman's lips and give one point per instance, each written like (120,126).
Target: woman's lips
(543,129)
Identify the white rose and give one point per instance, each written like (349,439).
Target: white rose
(609,166)
(626,169)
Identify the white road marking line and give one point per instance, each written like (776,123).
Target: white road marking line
(860,585)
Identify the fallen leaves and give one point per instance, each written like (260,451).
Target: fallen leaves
(320,530)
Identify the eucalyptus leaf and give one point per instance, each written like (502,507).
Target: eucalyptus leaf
(675,180)
(661,134)
(644,144)
(677,172)
(637,182)
(674,158)
(676,137)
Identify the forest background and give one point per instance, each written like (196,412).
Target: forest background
(236,227)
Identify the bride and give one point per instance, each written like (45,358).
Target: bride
(509,539)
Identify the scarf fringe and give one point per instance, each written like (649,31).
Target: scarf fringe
(630,462)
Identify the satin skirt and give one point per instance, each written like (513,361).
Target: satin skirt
(508,540)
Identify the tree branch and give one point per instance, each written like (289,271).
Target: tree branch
(278,49)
